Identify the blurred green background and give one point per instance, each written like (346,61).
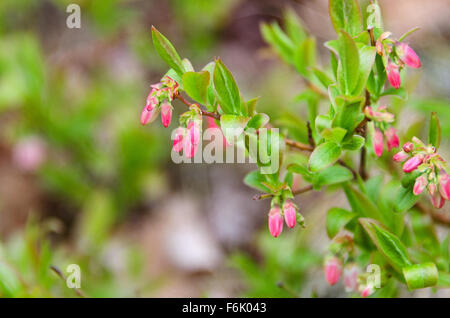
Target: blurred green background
(82,182)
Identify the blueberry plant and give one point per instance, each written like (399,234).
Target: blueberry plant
(388,224)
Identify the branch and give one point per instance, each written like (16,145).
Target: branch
(60,274)
(269,195)
(342,163)
(204,112)
(298,145)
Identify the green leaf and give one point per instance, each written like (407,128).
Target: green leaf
(434,133)
(257,121)
(324,155)
(346,15)
(211,94)
(232,126)
(366,60)
(323,77)
(405,199)
(196,85)
(255,179)
(279,40)
(251,106)
(334,134)
(361,203)
(355,143)
(337,218)
(333,175)
(188,65)
(400,92)
(348,113)
(421,275)
(387,244)
(294,27)
(227,90)
(300,169)
(167,52)
(305,56)
(348,68)
(323,122)
(443,280)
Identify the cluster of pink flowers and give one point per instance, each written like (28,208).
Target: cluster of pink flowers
(381,120)
(431,167)
(353,278)
(395,56)
(187,136)
(159,101)
(276,217)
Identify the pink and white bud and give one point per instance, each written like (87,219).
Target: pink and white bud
(392,138)
(437,200)
(407,55)
(29,153)
(333,270)
(400,156)
(420,184)
(367,291)
(412,163)
(378,142)
(166,114)
(393,74)
(350,276)
(408,147)
(444,185)
(178,139)
(290,213)
(275,221)
(432,188)
(192,139)
(149,114)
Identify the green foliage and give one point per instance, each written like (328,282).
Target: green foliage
(196,85)
(346,15)
(324,155)
(167,52)
(227,90)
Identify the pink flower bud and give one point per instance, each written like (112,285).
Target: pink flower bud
(408,147)
(166,114)
(275,221)
(412,164)
(149,114)
(407,55)
(431,188)
(420,184)
(393,74)
(178,140)
(437,200)
(333,269)
(378,142)
(367,291)
(350,276)
(29,153)
(290,214)
(392,138)
(192,139)
(400,156)
(444,185)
